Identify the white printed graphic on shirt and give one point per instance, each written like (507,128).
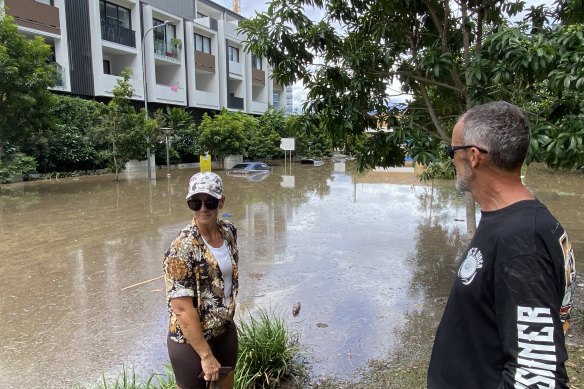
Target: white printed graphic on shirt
(536,358)
(570,274)
(468,268)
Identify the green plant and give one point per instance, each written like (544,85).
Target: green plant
(176,43)
(163,381)
(443,169)
(269,353)
(127,380)
(16,166)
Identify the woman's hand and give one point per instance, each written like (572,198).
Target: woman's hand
(190,323)
(210,367)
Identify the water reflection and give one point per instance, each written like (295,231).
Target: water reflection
(367,254)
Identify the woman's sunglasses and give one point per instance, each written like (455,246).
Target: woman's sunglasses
(196,205)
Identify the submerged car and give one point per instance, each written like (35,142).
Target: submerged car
(249,168)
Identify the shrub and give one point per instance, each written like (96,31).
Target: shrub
(14,168)
(269,353)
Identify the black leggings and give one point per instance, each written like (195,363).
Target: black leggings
(186,363)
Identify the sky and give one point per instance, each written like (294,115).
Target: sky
(250,7)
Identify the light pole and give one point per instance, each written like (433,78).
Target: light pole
(167,131)
(146,90)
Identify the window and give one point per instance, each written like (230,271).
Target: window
(233,53)
(202,43)
(106,67)
(53,57)
(47,2)
(114,15)
(165,34)
(158,33)
(256,62)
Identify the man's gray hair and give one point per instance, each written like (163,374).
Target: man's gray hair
(500,128)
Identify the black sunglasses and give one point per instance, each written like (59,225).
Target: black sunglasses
(211,204)
(451,149)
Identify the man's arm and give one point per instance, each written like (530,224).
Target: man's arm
(527,305)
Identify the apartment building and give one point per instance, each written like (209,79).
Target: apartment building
(186,53)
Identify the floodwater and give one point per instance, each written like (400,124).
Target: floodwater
(368,256)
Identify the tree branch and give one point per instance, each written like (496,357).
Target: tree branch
(444,41)
(433,115)
(426,80)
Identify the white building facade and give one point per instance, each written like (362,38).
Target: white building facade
(186,53)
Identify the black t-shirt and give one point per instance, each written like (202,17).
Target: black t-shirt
(503,325)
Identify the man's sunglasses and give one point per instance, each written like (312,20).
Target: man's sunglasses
(196,205)
(451,149)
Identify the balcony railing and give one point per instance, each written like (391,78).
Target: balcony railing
(118,34)
(277,87)
(60,79)
(204,61)
(35,15)
(165,49)
(213,24)
(234,102)
(258,77)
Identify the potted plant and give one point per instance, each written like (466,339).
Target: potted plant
(175,45)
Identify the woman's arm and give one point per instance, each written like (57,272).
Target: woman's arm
(190,324)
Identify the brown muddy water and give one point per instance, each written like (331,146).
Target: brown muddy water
(369,257)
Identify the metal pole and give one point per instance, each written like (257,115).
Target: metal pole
(167,159)
(146,93)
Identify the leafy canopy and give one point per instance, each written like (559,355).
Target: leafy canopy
(447,56)
(24,96)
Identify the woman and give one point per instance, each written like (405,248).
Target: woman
(201,276)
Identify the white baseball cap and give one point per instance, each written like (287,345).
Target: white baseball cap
(209,183)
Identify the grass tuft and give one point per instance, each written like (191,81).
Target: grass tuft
(127,380)
(269,353)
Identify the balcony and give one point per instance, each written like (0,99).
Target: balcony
(206,99)
(204,61)
(277,87)
(166,51)
(235,70)
(34,15)
(258,107)
(207,22)
(258,77)
(169,94)
(117,34)
(230,29)
(234,102)
(60,80)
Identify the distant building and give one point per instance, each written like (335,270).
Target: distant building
(289,100)
(186,54)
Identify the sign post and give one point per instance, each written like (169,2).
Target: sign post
(287,144)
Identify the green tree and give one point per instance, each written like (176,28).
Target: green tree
(264,142)
(225,134)
(311,140)
(24,97)
(127,132)
(182,140)
(438,53)
(545,68)
(71,144)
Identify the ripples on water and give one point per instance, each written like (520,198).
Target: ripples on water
(367,255)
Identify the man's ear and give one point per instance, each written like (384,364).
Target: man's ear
(475,157)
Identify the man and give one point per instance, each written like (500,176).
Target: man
(509,306)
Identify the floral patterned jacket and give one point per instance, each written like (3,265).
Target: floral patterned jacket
(190,269)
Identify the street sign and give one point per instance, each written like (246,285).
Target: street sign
(287,144)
